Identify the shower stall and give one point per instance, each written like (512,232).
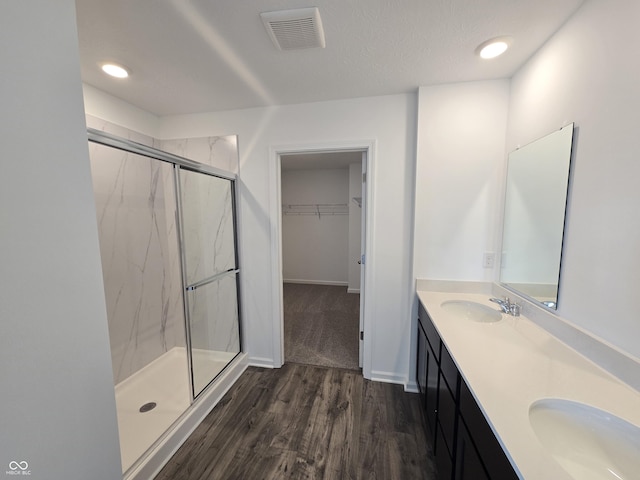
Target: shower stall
(167,230)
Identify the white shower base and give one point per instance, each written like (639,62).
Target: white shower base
(165,381)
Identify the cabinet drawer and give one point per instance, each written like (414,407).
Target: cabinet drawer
(430,330)
(487,445)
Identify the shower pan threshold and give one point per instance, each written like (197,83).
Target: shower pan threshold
(149,439)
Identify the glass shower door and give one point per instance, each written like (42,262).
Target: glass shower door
(210,273)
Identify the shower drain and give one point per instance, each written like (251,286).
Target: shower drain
(147,407)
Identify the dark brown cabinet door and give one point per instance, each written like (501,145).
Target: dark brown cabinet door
(421,367)
(431,398)
(489,450)
(444,464)
(468,463)
(427,373)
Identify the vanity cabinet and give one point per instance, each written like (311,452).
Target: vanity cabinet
(486,447)
(446,416)
(428,371)
(422,365)
(469,466)
(464,445)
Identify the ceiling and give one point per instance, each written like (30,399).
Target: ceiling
(190,56)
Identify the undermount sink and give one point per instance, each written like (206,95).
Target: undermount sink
(473,311)
(590,444)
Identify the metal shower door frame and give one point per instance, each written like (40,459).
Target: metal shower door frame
(178,162)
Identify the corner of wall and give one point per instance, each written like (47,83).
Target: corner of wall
(107,107)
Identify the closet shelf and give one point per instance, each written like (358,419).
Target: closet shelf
(317,209)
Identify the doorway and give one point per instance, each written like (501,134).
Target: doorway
(315,192)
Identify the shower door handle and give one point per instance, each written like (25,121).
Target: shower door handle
(213,278)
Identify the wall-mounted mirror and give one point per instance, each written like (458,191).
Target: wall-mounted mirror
(535,204)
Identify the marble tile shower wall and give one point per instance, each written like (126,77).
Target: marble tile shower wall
(219,152)
(135,206)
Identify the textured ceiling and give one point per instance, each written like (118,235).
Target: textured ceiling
(189,56)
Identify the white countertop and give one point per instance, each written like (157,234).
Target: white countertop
(510,364)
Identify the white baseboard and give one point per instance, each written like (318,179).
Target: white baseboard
(316,282)
(388,377)
(261,362)
(353,290)
(411,387)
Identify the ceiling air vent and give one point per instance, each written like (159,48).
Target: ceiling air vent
(294,29)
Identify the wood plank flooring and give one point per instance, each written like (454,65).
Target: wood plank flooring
(307,422)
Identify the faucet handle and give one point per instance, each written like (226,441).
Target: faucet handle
(514,309)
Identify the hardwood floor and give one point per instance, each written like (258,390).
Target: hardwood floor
(306,422)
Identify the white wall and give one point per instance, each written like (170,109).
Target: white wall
(315,248)
(58,406)
(459,178)
(355,227)
(459,181)
(107,107)
(387,121)
(587,74)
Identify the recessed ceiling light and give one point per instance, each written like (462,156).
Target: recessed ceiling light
(494,47)
(115,70)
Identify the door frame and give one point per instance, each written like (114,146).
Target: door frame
(275,213)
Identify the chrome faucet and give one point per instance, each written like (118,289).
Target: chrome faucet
(507,307)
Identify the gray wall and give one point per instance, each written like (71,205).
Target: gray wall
(58,407)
